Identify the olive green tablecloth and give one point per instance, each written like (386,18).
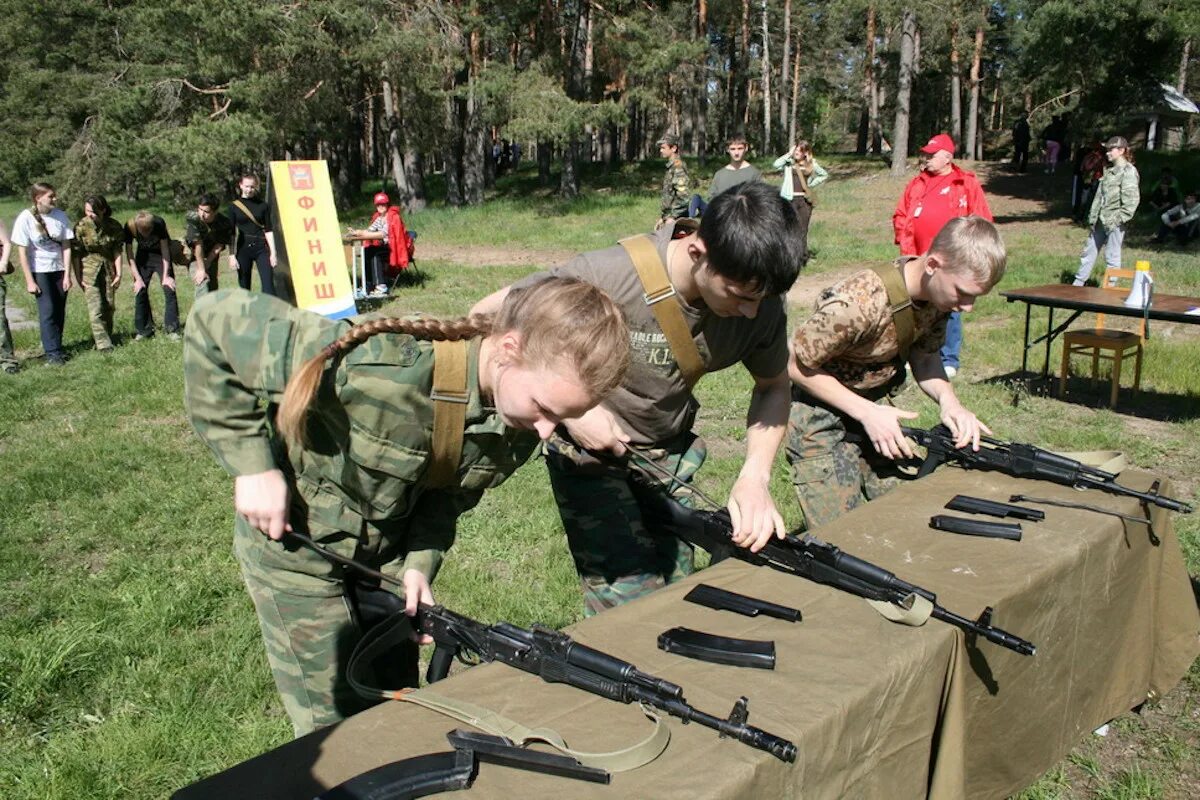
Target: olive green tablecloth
(877,709)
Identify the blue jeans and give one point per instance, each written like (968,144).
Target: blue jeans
(953,344)
(52,311)
(1097,238)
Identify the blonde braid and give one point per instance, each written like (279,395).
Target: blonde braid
(292,417)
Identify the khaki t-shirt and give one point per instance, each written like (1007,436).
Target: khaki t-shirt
(653,402)
(851,334)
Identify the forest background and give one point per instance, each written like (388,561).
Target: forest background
(157,101)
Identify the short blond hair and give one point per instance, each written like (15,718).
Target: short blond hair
(972,245)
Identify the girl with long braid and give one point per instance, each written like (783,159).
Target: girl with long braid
(328,429)
(44,232)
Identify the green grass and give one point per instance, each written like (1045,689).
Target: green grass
(130,660)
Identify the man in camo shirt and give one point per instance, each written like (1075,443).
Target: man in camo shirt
(843,432)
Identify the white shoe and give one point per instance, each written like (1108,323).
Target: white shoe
(379,291)
(950,371)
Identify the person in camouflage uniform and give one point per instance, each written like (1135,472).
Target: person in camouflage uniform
(844,436)
(327,428)
(207,233)
(676,185)
(8,356)
(729,277)
(100,240)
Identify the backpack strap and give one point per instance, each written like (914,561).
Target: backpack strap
(657,288)
(450,398)
(900,305)
(249,215)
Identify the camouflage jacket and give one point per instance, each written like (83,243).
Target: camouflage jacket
(676,189)
(219,231)
(99,241)
(1116,198)
(370,428)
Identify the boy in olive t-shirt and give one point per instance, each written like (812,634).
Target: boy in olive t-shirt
(728,276)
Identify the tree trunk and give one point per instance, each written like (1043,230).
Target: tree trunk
(742,115)
(955,88)
(974,148)
(701,84)
(784,72)
(869,118)
(766,80)
(545,152)
(395,160)
(908,46)
(575,81)
(795,93)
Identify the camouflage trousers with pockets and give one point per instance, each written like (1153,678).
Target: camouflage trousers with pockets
(307,622)
(617,558)
(97,277)
(8,357)
(834,469)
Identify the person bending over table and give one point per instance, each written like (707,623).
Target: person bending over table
(849,362)
(327,428)
(726,280)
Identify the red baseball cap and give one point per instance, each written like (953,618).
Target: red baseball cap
(939,142)
(382,198)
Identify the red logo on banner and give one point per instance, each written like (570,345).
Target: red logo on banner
(300,176)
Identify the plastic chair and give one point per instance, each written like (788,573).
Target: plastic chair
(1102,343)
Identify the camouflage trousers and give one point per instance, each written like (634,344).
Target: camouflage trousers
(212,269)
(308,625)
(8,357)
(833,469)
(99,294)
(617,558)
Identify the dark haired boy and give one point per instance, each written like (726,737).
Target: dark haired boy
(207,235)
(723,283)
(676,184)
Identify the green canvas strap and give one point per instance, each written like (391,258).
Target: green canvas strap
(485,719)
(659,294)
(914,610)
(900,305)
(450,398)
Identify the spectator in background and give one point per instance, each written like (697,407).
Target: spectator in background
(939,192)
(737,171)
(99,240)
(153,257)
(1165,193)
(1052,140)
(676,185)
(255,238)
(207,233)
(1183,220)
(1089,166)
(389,248)
(8,356)
(1021,138)
(1115,203)
(801,174)
(42,234)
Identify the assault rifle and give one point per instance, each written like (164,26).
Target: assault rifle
(557,658)
(1026,461)
(807,557)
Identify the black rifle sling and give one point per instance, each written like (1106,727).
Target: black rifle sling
(900,305)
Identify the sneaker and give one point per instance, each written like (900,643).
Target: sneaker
(950,371)
(173,336)
(11,369)
(55,361)
(378,292)
(141,337)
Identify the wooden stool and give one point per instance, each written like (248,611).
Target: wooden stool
(1109,345)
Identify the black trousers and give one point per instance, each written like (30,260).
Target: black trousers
(255,252)
(804,217)
(377,264)
(143,316)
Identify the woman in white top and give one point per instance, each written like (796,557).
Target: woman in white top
(42,234)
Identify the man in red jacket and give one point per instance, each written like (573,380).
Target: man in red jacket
(940,192)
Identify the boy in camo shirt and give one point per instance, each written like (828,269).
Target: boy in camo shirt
(843,432)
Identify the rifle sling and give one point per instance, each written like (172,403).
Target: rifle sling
(485,719)
(658,294)
(900,304)
(249,215)
(450,399)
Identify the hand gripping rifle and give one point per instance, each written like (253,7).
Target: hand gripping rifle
(805,556)
(1026,461)
(557,658)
